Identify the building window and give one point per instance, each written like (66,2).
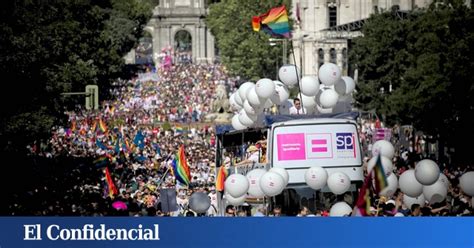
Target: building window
(320,57)
(332,16)
(333,56)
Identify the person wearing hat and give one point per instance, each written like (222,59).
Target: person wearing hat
(253,156)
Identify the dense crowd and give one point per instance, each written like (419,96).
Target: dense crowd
(136,136)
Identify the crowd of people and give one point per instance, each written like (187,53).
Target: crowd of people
(136,137)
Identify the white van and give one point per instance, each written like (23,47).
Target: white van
(296,145)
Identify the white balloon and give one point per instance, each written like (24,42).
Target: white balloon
(289,74)
(265,88)
(199,202)
(254,99)
(386,164)
(467,183)
(340,209)
(426,172)
(409,201)
(328,98)
(281,93)
(243,90)
(254,182)
(409,185)
(316,177)
(391,187)
(323,110)
(282,172)
(236,185)
(339,183)
(268,104)
(444,179)
(284,107)
(329,74)
(238,99)
(271,183)
(246,119)
(308,102)
(236,201)
(344,86)
(250,110)
(260,122)
(383,147)
(309,85)
(435,192)
(399,215)
(236,123)
(234,106)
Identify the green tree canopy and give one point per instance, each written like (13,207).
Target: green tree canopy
(245,52)
(47,48)
(424,65)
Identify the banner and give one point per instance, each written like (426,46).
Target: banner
(382,134)
(194,232)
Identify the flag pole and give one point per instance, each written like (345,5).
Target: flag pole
(298,78)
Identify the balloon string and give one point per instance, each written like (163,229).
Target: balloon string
(297,77)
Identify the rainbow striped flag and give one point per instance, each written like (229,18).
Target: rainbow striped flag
(379,175)
(221,176)
(363,203)
(274,23)
(180,167)
(110,183)
(179,129)
(102,126)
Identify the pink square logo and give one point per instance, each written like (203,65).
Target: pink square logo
(291,146)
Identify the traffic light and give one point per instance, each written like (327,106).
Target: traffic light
(92,97)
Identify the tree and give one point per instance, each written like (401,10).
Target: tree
(426,58)
(245,52)
(61,46)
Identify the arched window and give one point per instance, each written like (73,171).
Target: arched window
(320,57)
(333,56)
(332,13)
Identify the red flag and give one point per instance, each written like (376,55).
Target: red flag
(362,207)
(110,183)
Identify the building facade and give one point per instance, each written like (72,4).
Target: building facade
(179,25)
(324,28)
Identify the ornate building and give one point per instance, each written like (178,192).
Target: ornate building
(179,24)
(324,28)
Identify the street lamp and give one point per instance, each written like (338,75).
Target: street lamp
(285,44)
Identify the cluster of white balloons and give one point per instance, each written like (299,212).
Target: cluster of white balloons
(257,183)
(428,183)
(317,178)
(250,100)
(322,93)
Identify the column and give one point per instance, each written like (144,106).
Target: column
(339,58)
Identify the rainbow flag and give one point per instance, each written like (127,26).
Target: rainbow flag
(274,23)
(221,176)
(73,126)
(179,129)
(101,161)
(110,183)
(379,175)
(180,167)
(102,126)
(363,203)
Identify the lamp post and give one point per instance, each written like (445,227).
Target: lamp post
(284,48)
